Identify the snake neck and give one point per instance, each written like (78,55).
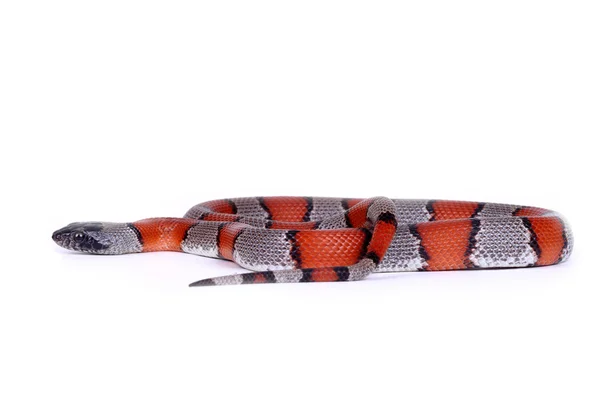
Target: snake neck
(162,234)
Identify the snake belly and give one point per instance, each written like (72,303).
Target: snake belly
(312,239)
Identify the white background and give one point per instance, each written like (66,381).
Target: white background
(121,110)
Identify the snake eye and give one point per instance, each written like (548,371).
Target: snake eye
(78,237)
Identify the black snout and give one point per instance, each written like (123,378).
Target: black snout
(57,236)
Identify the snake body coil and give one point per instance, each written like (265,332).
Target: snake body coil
(316,239)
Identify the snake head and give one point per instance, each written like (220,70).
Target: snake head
(98,238)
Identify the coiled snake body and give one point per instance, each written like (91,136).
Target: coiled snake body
(312,239)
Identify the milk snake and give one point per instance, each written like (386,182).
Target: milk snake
(318,239)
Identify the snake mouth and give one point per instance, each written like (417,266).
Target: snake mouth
(62,239)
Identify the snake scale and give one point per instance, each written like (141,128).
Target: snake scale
(320,239)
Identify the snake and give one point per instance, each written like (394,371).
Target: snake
(288,239)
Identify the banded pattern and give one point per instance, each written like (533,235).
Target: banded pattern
(316,239)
